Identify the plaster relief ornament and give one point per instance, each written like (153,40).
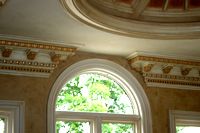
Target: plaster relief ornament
(167,70)
(6,52)
(20,57)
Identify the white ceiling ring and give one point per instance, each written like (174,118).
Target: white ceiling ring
(89,14)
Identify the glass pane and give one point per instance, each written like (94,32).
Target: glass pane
(72,127)
(93,93)
(117,128)
(187,129)
(2,125)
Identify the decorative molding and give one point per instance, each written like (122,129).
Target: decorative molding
(26,69)
(136,18)
(185,71)
(167,71)
(147,68)
(27,63)
(35,45)
(6,52)
(30,58)
(55,57)
(31,54)
(166,60)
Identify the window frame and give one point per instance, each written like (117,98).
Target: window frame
(8,116)
(119,74)
(13,112)
(186,118)
(97,119)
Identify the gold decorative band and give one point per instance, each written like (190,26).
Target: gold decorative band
(26,69)
(171,77)
(36,45)
(27,63)
(164,60)
(173,82)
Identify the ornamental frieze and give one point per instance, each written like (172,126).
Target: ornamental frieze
(31,58)
(167,71)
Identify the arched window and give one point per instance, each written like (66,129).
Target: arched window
(98,96)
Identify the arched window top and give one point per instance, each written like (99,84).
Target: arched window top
(95,92)
(103,70)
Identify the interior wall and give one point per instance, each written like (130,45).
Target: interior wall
(35,91)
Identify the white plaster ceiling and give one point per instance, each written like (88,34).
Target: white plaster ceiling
(46,20)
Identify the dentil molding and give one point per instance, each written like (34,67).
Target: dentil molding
(167,71)
(31,58)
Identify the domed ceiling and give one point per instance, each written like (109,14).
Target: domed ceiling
(157,19)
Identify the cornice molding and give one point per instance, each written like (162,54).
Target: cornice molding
(167,71)
(35,45)
(31,58)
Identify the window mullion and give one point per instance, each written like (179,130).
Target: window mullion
(92,123)
(96,119)
(64,115)
(97,125)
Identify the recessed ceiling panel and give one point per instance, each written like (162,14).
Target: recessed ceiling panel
(163,19)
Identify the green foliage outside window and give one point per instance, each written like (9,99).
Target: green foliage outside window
(2,125)
(73,127)
(94,93)
(187,129)
(179,129)
(117,128)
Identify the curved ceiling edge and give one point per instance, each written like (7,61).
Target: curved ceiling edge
(86,13)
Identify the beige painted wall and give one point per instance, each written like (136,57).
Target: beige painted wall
(35,91)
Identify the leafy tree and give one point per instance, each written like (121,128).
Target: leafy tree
(116,128)
(179,129)
(92,93)
(2,125)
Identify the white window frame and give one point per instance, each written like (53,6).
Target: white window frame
(8,116)
(13,112)
(97,119)
(119,74)
(186,118)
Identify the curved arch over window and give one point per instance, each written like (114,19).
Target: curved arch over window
(141,117)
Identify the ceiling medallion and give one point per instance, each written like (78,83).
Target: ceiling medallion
(167,71)
(166,19)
